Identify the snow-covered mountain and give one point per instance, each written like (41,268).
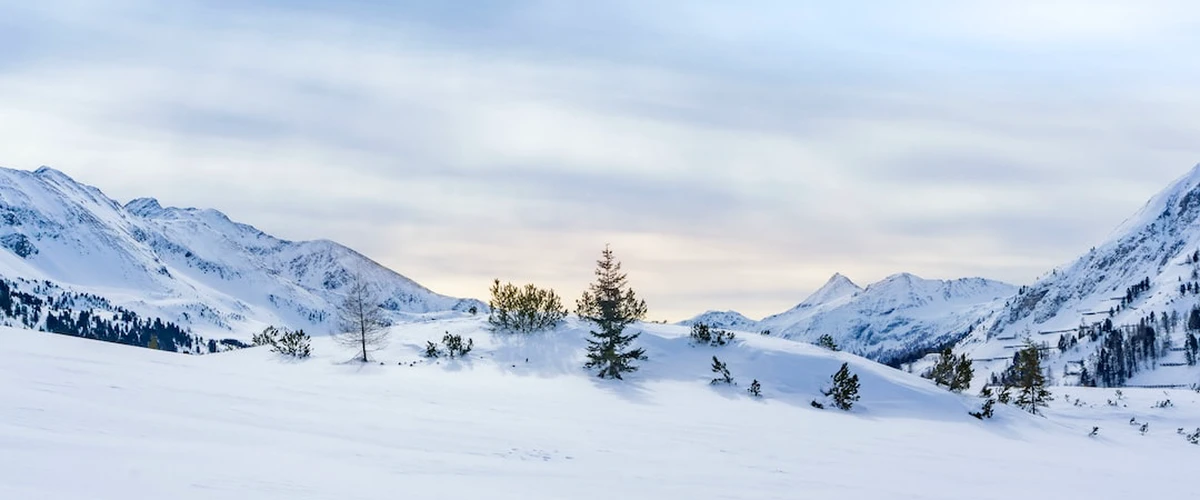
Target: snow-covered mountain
(730,320)
(192,267)
(890,321)
(1147,269)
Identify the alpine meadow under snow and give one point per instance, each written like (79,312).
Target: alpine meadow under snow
(101,421)
(326,375)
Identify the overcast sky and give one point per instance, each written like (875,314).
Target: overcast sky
(735,154)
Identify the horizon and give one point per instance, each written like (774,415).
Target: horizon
(734,158)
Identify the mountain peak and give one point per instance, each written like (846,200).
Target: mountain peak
(45,171)
(838,287)
(142,207)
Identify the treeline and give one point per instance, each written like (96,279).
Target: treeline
(47,307)
(1128,349)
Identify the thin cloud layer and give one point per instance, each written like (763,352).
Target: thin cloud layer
(734,156)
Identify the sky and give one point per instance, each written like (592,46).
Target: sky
(734,154)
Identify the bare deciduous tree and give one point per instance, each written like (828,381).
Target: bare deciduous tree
(363,325)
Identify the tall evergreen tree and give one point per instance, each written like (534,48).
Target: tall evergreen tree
(612,306)
(1030,381)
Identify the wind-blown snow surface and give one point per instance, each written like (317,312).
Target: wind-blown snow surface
(888,321)
(193,267)
(86,420)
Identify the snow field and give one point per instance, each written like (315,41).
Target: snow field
(89,420)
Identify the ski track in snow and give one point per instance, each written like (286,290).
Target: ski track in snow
(89,420)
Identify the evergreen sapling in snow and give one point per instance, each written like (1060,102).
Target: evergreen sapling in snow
(455,347)
(989,405)
(431,350)
(755,389)
(722,371)
(715,337)
(612,306)
(954,372)
(844,391)
(826,341)
(1030,381)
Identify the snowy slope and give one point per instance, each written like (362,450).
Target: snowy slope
(196,268)
(1158,244)
(892,320)
(102,421)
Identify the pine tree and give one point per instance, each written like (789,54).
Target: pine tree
(844,391)
(612,306)
(294,343)
(755,389)
(963,374)
(942,372)
(989,404)
(826,341)
(431,350)
(722,371)
(524,310)
(954,372)
(1030,381)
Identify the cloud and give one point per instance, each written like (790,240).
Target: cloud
(735,157)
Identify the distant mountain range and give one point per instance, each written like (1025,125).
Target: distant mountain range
(1118,315)
(74,261)
(894,320)
(194,268)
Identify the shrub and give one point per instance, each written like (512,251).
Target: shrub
(722,371)
(715,337)
(296,344)
(989,405)
(755,389)
(269,336)
(431,350)
(525,309)
(827,342)
(455,347)
(844,391)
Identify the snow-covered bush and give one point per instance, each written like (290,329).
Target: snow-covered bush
(703,334)
(294,343)
(844,391)
(455,347)
(525,309)
(722,371)
(755,389)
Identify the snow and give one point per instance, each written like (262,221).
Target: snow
(88,420)
(1155,243)
(193,267)
(888,320)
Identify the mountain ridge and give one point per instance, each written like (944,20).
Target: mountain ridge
(895,319)
(169,262)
